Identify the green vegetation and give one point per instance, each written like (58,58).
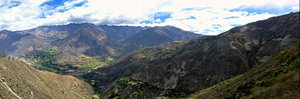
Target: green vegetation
(128,87)
(295,65)
(272,79)
(46,58)
(46,61)
(254,89)
(137,88)
(179,42)
(95,62)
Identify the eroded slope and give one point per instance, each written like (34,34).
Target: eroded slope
(18,80)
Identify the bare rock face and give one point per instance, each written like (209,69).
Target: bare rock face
(199,63)
(18,80)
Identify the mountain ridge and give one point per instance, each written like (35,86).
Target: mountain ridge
(57,36)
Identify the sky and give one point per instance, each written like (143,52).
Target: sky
(209,17)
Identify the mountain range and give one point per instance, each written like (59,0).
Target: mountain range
(177,69)
(257,60)
(88,40)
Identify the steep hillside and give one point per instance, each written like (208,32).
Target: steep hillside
(20,45)
(7,38)
(88,41)
(277,78)
(198,63)
(149,37)
(18,80)
(156,35)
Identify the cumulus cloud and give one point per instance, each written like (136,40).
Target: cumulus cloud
(201,16)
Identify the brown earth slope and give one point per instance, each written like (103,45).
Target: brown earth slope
(18,80)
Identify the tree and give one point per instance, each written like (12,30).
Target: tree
(3,55)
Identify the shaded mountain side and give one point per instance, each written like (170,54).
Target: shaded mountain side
(18,80)
(89,41)
(121,32)
(156,35)
(149,37)
(28,45)
(20,45)
(177,34)
(7,38)
(202,62)
(276,78)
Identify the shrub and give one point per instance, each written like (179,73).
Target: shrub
(295,64)
(254,89)
(272,79)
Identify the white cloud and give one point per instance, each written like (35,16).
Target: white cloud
(209,16)
(212,21)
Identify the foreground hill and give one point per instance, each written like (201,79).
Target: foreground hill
(18,80)
(190,66)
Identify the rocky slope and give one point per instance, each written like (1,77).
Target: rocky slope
(90,41)
(7,38)
(21,45)
(199,63)
(18,80)
(276,78)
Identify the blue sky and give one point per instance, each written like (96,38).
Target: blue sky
(201,16)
